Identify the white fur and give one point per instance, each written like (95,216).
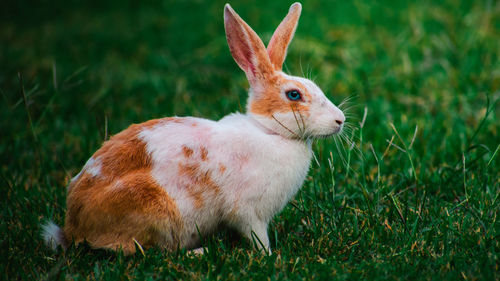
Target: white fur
(263,172)
(52,235)
(92,166)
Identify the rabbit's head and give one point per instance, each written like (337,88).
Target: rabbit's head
(291,106)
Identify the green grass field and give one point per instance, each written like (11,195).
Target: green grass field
(415,197)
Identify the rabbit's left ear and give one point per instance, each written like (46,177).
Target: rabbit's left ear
(246,47)
(283,35)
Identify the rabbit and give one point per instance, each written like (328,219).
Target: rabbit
(165,182)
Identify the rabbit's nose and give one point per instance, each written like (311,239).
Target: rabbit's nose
(340,122)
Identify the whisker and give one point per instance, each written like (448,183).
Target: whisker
(347,107)
(350,130)
(341,140)
(300,64)
(342,158)
(347,164)
(347,100)
(351,138)
(285,127)
(353,147)
(349,116)
(296,120)
(302,119)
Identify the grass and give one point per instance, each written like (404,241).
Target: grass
(415,197)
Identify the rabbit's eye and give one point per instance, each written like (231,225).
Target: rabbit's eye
(293,95)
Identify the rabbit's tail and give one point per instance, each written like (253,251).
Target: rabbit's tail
(53,235)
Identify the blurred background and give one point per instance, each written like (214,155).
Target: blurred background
(134,60)
(90,68)
(73,72)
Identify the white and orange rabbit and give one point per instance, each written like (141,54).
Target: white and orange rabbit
(166,181)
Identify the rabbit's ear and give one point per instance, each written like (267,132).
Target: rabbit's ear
(283,35)
(246,47)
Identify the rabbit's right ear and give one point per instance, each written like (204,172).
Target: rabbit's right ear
(283,35)
(246,47)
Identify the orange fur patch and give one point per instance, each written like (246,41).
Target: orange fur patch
(187,151)
(124,152)
(222,168)
(177,120)
(203,153)
(198,183)
(135,207)
(271,100)
(123,202)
